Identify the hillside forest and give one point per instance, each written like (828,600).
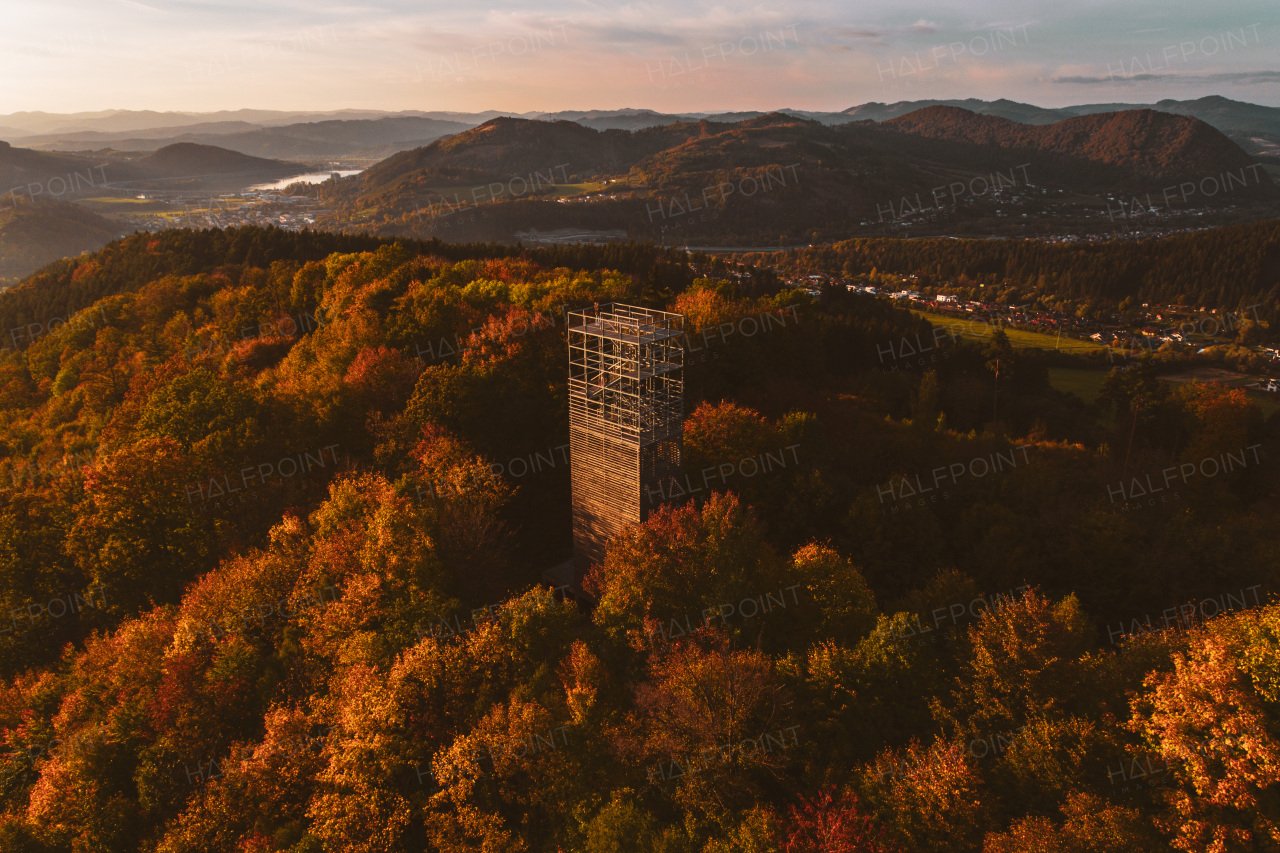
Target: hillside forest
(275,511)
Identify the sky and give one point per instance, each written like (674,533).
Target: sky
(681,56)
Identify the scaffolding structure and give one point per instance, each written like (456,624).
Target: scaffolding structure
(626,419)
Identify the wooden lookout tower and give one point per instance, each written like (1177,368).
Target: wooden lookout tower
(626,419)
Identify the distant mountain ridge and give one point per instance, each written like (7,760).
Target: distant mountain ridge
(62,176)
(825,176)
(1013,110)
(820,180)
(1213,109)
(1144,143)
(132,121)
(339,133)
(1255,128)
(508,146)
(1151,144)
(304,140)
(1233,114)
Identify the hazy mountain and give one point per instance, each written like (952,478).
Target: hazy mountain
(351,133)
(627,119)
(28,123)
(1147,143)
(791,176)
(58,175)
(27,171)
(504,148)
(1143,144)
(133,122)
(304,140)
(822,118)
(159,135)
(1223,113)
(338,138)
(1024,113)
(1255,128)
(633,119)
(189,158)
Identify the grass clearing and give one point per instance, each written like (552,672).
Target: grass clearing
(1266,402)
(1087,384)
(1083,382)
(978,329)
(115,200)
(479,193)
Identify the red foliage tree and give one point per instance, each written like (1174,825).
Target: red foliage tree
(832,824)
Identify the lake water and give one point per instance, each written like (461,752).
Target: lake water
(309,178)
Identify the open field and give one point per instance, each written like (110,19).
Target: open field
(1267,402)
(1210,374)
(1087,384)
(108,205)
(117,200)
(221,206)
(480,193)
(1083,382)
(978,329)
(166,208)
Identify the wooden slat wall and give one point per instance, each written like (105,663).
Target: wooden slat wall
(624,432)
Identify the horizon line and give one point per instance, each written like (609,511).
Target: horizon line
(713,111)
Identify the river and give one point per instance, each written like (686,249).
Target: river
(308,178)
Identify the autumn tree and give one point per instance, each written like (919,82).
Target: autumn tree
(138,531)
(1025,662)
(686,567)
(831,823)
(1213,720)
(717,724)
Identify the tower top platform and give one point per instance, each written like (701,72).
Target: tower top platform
(627,323)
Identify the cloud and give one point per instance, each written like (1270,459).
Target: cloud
(881,34)
(1112,80)
(143,6)
(1248,78)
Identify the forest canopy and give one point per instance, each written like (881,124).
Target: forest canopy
(275,511)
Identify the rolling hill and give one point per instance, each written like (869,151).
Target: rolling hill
(779,178)
(303,140)
(1254,128)
(504,147)
(187,158)
(1223,113)
(1004,108)
(372,133)
(1147,143)
(182,165)
(26,172)
(32,235)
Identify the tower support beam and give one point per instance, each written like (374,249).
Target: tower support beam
(626,419)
